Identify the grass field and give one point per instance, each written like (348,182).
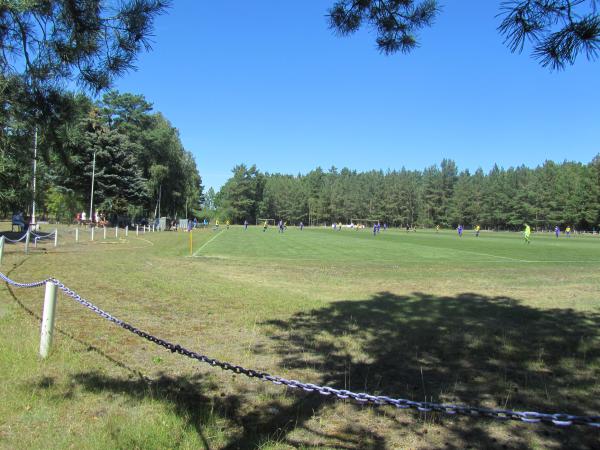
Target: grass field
(486,321)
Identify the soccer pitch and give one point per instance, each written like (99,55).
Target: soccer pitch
(488,321)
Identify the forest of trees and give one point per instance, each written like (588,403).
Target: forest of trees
(140,163)
(551,194)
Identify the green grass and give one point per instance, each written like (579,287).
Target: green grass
(488,321)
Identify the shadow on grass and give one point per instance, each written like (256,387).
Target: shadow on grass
(467,349)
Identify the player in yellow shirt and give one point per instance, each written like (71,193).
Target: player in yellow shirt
(265,225)
(568,231)
(477,228)
(227,223)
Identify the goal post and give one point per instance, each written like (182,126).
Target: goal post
(261,221)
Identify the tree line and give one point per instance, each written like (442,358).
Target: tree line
(140,166)
(564,194)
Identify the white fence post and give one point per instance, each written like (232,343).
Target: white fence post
(93,228)
(127,231)
(137,230)
(1,248)
(116,232)
(77,234)
(48,319)
(104,232)
(27,238)
(56,237)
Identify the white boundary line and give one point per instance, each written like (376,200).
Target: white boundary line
(206,243)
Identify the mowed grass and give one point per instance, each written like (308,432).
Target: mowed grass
(488,321)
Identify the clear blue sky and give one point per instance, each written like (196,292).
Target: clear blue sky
(267,83)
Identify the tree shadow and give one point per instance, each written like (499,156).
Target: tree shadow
(467,349)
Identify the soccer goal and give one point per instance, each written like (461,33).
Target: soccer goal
(262,221)
(363,223)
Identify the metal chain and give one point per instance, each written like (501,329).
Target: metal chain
(558,419)
(24,285)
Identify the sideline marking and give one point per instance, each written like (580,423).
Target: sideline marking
(206,243)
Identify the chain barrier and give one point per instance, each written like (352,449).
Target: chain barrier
(39,237)
(557,419)
(15,241)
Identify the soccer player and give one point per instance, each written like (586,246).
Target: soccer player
(557,231)
(385,226)
(374,229)
(245,225)
(280,225)
(460,230)
(437,228)
(477,230)
(567,231)
(301,226)
(266,224)
(340,226)
(227,223)
(527,234)
(217,224)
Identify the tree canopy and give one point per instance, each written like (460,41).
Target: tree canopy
(141,163)
(46,42)
(558,30)
(548,195)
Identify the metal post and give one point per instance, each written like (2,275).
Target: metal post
(35,142)
(48,319)
(27,237)
(137,230)
(77,234)
(55,237)
(1,248)
(104,232)
(127,231)
(92,193)
(116,232)
(93,228)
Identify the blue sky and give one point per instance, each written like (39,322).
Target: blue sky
(267,83)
